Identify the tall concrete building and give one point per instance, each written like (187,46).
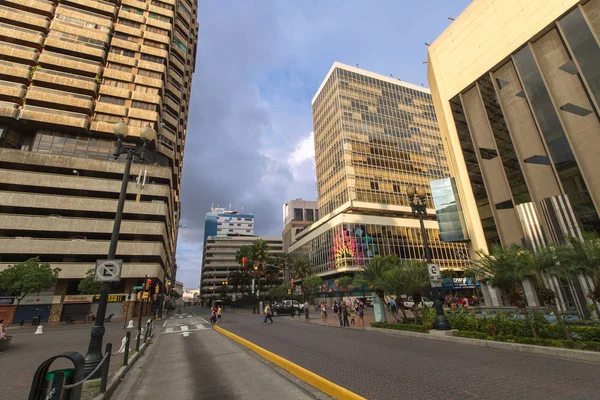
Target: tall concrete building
(218,261)
(374,137)
(69,70)
(298,215)
(515,88)
(224,222)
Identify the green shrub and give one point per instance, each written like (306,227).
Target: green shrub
(400,327)
(560,343)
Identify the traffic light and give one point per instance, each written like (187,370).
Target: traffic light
(148,284)
(244,260)
(292,281)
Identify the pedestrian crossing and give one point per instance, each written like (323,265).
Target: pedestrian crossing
(186,328)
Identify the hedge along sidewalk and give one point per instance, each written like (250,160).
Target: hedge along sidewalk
(566,354)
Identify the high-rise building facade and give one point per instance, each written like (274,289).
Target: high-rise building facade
(374,137)
(224,222)
(516,91)
(298,215)
(69,70)
(218,261)
(521,116)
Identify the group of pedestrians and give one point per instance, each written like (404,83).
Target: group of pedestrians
(216,315)
(346,312)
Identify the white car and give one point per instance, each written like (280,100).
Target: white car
(409,303)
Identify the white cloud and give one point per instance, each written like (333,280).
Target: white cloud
(305,150)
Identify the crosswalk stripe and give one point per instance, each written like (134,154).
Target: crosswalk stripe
(169,330)
(184,328)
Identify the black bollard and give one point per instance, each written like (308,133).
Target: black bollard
(105,367)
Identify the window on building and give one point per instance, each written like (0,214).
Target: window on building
(298,214)
(154,29)
(122,52)
(123,36)
(129,23)
(111,100)
(161,4)
(115,83)
(132,10)
(150,74)
(309,215)
(151,58)
(374,185)
(180,44)
(143,105)
(156,45)
(118,67)
(146,89)
(159,17)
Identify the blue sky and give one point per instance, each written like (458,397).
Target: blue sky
(258,65)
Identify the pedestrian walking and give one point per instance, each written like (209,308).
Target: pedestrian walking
(213,315)
(306,308)
(323,312)
(336,308)
(219,314)
(361,314)
(268,314)
(352,314)
(345,314)
(393,307)
(340,308)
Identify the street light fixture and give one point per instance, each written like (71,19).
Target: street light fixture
(121,130)
(418,206)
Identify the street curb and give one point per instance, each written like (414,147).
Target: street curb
(303,374)
(566,354)
(116,380)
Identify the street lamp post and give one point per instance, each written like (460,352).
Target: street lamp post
(419,207)
(94,353)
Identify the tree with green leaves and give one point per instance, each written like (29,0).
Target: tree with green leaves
(404,276)
(244,252)
(278,293)
(345,281)
(583,258)
(260,253)
(301,268)
(284,262)
(372,275)
(87,284)
(28,277)
(312,284)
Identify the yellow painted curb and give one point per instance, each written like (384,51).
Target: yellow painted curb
(307,376)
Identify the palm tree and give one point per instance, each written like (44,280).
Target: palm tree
(504,270)
(243,252)
(260,252)
(301,268)
(404,276)
(583,257)
(372,274)
(312,283)
(235,279)
(284,262)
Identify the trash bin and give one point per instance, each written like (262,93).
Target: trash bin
(57,380)
(5,343)
(35,321)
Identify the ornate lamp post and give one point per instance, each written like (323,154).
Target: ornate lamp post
(419,207)
(94,353)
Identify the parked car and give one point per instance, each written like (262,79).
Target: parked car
(283,308)
(409,303)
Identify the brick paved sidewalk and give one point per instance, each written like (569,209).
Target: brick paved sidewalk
(333,319)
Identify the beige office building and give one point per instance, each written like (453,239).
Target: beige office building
(374,137)
(218,261)
(516,88)
(69,70)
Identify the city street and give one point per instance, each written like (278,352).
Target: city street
(190,360)
(379,366)
(28,351)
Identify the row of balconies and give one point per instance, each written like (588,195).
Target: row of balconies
(73,270)
(24,19)
(42,7)
(22,36)
(63,80)
(18,53)
(74,247)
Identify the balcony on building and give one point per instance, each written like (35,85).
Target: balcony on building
(60,100)
(147,81)
(131,16)
(8,109)
(86,33)
(24,19)
(125,44)
(167,117)
(18,53)
(159,24)
(157,37)
(173,90)
(42,7)
(168,101)
(114,91)
(65,81)
(119,59)
(152,66)
(22,36)
(118,75)
(12,92)
(70,64)
(76,48)
(135,3)
(174,62)
(15,72)
(146,97)
(112,109)
(55,117)
(129,30)
(91,17)
(100,7)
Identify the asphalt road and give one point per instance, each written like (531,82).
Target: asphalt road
(192,361)
(379,366)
